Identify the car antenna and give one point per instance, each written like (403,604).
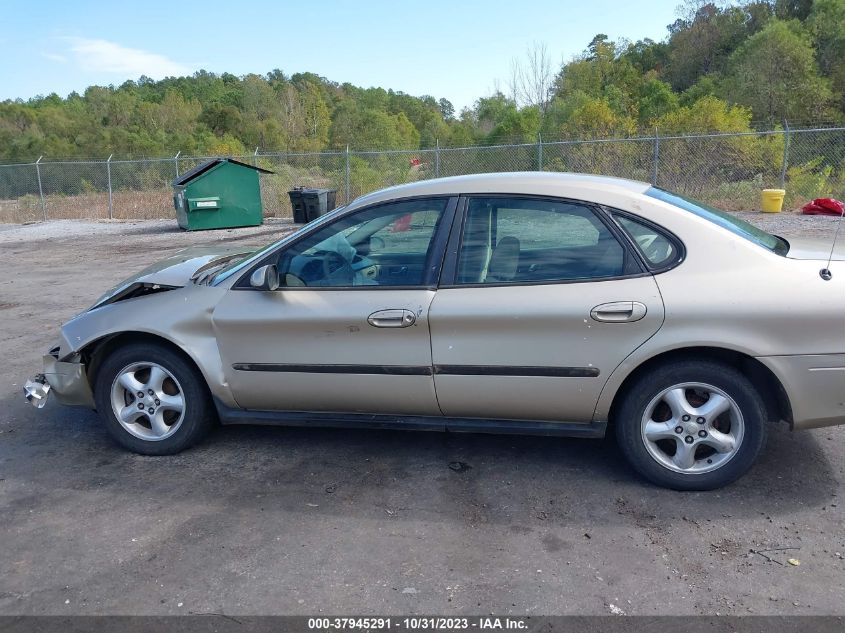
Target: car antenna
(825,273)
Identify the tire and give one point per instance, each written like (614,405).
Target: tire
(712,446)
(159,378)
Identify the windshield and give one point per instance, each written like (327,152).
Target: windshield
(725,220)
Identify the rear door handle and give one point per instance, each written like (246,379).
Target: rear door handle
(618,312)
(392,318)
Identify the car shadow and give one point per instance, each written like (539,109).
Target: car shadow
(399,475)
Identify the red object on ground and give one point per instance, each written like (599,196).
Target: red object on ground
(415,162)
(401,224)
(824,206)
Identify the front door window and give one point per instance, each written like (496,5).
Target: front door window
(387,245)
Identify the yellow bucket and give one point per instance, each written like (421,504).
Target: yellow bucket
(771,200)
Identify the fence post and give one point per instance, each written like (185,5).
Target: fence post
(539,152)
(108,171)
(785,154)
(255,158)
(176,162)
(437,158)
(40,188)
(348,184)
(656,156)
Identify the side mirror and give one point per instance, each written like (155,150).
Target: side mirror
(265,278)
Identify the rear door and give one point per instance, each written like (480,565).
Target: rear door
(540,301)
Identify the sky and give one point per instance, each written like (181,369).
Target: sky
(455,50)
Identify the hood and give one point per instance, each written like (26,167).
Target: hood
(815,248)
(173,272)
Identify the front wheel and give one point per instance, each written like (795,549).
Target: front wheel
(694,425)
(152,400)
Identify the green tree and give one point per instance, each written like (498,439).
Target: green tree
(447,110)
(775,73)
(708,114)
(646,55)
(655,99)
(368,129)
(707,86)
(827,24)
(316,117)
(789,9)
(579,115)
(703,42)
(602,73)
(221,119)
(517,126)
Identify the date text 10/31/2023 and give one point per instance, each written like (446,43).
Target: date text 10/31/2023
(433,623)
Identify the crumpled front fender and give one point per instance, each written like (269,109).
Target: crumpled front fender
(181,317)
(68,381)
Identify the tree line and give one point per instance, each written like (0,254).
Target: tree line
(721,67)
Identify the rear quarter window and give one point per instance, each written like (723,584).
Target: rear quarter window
(654,245)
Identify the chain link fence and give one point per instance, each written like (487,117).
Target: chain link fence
(726,169)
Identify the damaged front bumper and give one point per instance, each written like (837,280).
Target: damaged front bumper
(36,391)
(67,379)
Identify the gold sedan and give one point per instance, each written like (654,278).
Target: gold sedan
(552,304)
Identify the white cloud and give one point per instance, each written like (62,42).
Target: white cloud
(55,57)
(108,57)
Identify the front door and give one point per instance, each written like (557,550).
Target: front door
(348,330)
(542,304)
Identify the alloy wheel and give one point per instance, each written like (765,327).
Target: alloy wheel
(148,401)
(692,428)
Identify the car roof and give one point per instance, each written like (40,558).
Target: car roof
(563,185)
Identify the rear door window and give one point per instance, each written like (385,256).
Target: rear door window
(513,240)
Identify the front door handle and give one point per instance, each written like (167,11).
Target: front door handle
(392,318)
(618,312)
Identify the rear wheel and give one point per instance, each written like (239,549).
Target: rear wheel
(693,425)
(152,400)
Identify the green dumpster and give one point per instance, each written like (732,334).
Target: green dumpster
(219,194)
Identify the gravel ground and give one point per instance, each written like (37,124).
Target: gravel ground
(786,224)
(164,233)
(302,521)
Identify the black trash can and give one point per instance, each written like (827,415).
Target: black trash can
(309,204)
